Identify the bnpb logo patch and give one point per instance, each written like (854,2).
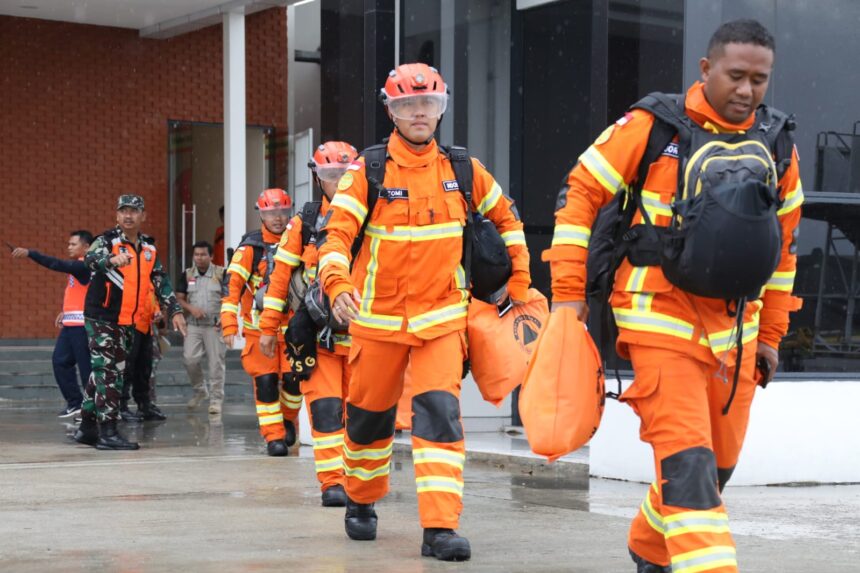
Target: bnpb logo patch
(526,329)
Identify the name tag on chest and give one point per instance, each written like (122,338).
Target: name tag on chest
(396,193)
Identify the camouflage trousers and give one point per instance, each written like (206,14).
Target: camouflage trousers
(109,346)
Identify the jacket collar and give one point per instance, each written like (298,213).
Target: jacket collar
(706,116)
(404,155)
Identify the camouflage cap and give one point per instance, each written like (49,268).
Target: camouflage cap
(135,201)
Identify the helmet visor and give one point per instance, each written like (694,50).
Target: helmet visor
(330,173)
(415,106)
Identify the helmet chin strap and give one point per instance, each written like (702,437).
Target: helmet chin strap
(401,134)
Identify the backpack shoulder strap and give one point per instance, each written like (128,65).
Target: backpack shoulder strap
(375,157)
(309,214)
(461,163)
(777,127)
(254,239)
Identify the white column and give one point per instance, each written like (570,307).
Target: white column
(234,128)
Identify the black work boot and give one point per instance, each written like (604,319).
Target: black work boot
(334,496)
(87,432)
(445,545)
(110,439)
(126,414)
(290,438)
(643,566)
(277,448)
(149,411)
(360,521)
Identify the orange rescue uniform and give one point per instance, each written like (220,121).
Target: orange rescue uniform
(682,346)
(413,310)
(326,390)
(274,405)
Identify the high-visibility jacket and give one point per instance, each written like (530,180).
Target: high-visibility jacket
(143,322)
(648,309)
(242,286)
(290,255)
(408,268)
(119,295)
(73,302)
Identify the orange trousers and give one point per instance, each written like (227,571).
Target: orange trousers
(325,398)
(438,449)
(275,401)
(680,401)
(404,407)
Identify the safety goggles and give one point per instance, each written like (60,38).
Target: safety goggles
(414,106)
(274,213)
(330,173)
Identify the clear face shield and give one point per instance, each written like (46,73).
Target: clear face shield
(330,173)
(275,215)
(414,106)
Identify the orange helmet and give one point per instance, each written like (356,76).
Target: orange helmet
(272,199)
(331,159)
(413,89)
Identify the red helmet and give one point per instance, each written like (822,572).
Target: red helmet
(411,83)
(333,153)
(272,199)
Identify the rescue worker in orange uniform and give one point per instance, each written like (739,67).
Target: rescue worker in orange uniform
(326,390)
(249,270)
(683,346)
(407,302)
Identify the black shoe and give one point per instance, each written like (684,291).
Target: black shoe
(87,433)
(149,412)
(110,439)
(360,521)
(290,438)
(643,566)
(277,448)
(127,415)
(445,545)
(334,496)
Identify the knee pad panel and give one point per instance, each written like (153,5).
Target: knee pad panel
(436,417)
(365,427)
(291,385)
(723,475)
(267,387)
(691,479)
(327,414)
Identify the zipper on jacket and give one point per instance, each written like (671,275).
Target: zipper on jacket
(137,292)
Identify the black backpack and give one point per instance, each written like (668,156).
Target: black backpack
(485,257)
(254,239)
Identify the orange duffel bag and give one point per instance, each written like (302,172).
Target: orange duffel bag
(500,346)
(562,398)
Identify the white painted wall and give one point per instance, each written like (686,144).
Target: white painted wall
(799,432)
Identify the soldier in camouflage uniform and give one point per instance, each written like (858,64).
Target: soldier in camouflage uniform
(125,271)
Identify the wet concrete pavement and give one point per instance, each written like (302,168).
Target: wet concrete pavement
(201,496)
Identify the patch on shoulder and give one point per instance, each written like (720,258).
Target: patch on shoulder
(624,119)
(345,181)
(605,135)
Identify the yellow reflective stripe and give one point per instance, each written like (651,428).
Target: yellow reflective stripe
(696,522)
(654,206)
(288,258)
(365,475)
(652,516)
(309,274)
(438,316)
(268,408)
(368,453)
(239,270)
(792,201)
(641,321)
(328,442)
(512,238)
(642,301)
(379,321)
(442,484)
(250,325)
(331,465)
(255,281)
(271,419)
(274,303)
(705,559)
(438,456)
(602,170)
(571,235)
(724,340)
(337,258)
(351,205)
(636,282)
(450,230)
(369,291)
(490,199)
(460,282)
(290,401)
(230,307)
(783,281)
